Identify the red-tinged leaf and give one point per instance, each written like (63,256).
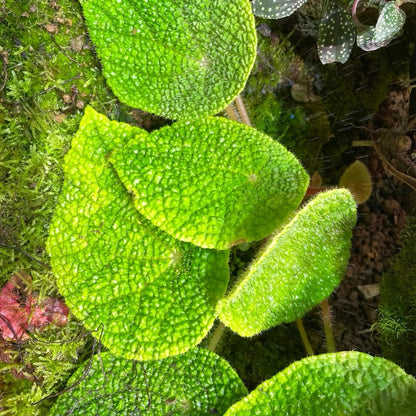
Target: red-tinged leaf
(19,312)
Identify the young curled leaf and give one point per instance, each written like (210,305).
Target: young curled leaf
(389,23)
(388,26)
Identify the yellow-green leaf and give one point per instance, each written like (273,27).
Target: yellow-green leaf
(299,267)
(151,295)
(176,58)
(212,182)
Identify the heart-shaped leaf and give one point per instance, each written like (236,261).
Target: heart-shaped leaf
(276,9)
(389,23)
(176,58)
(336,36)
(343,383)
(153,296)
(298,268)
(197,383)
(214,183)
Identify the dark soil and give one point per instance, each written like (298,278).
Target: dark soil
(376,237)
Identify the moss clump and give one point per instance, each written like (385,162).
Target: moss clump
(48,74)
(33,370)
(397,310)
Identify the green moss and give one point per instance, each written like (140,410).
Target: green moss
(39,368)
(49,73)
(397,310)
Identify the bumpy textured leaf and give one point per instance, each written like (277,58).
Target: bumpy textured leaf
(276,9)
(196,383)
(389,23)
(336,36)
(152,295)
(344,383)
(176,58)
(297,269)
(214,183)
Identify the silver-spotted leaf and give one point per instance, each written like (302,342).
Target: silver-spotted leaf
(176,58)
(365,39)
(212,182)
(344,383)
(196,383)
(298,268)
(389,23)
(152,295)
(276,9)
(336,36)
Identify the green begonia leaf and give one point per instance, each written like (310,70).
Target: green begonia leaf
(336,36)
(275,9)
(196,383)
(175,58)
(388,26)
(298,268)
(389,23)
(344,383)
(214,183)
(365,39)
(153,296)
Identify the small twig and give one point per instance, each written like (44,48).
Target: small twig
(20,250)
(61,49)
(326,319)
(304,337)
(4,56)
(95,345)
(55,86)
(408,180)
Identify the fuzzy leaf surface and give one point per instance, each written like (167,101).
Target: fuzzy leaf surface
(176,58)
(196,383)
(153,296)
(297,269)
(214,183)
(336,36)
(343,383)
(276,9)
(389,23)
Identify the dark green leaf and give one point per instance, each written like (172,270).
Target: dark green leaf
(336,36)
(197,383)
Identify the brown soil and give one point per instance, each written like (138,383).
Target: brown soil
(376,237)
